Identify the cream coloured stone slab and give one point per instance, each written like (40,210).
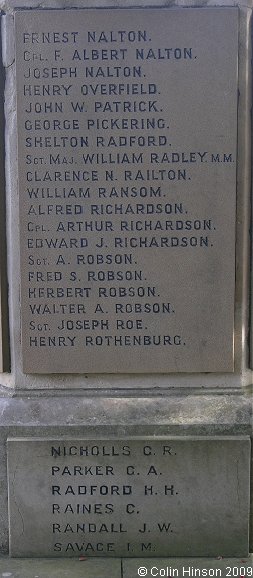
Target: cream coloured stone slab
(132,497)
(127,182)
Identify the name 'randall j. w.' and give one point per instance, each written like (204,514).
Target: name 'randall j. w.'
(125,284)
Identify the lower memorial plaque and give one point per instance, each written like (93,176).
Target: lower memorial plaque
(129,497)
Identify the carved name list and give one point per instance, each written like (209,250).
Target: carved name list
(127,184)
(127,497)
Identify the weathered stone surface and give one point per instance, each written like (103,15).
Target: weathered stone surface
(129,496)
(46,381)
(60,568)
(127,180)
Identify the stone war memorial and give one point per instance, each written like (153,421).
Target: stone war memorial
(126,341)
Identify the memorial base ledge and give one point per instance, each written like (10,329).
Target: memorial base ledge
(65,415)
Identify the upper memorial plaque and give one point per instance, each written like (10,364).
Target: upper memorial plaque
(127,134)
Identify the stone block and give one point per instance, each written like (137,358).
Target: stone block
(127,150)
(157,496)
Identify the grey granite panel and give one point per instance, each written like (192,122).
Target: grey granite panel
(127,147)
